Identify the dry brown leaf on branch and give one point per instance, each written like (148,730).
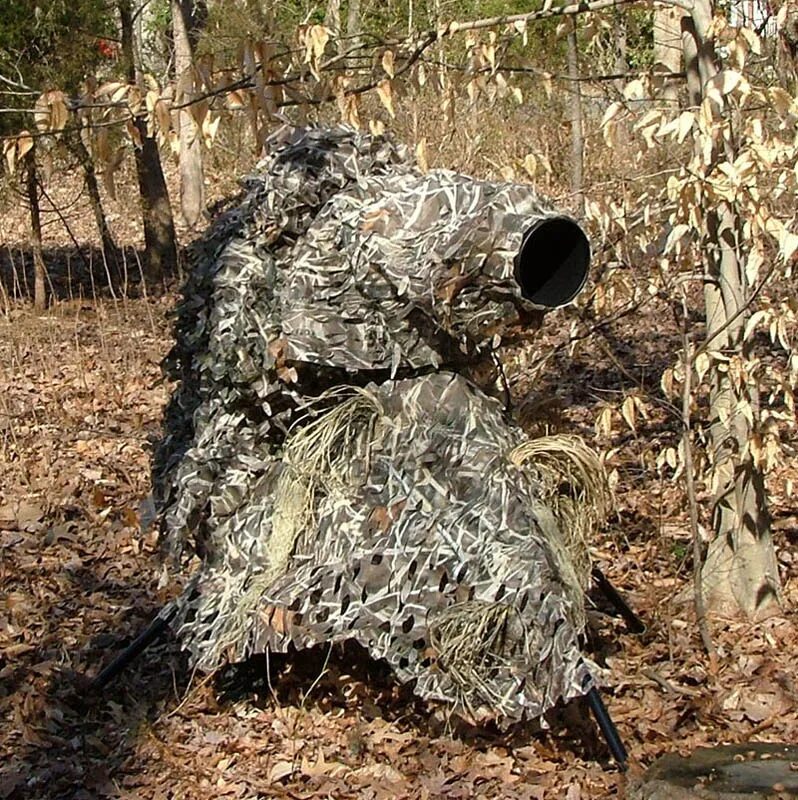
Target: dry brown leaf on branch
(199,112)
(315,39)
(10,154)
(24,144)
(210,127)
(388,63)
(111,165)
(50,112)
(385,93)
(133,132)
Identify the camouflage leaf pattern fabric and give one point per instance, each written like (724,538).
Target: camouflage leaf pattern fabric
(330,454)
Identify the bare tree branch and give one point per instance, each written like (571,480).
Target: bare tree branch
(547,12)
(20,84)
(66,129)
(420,43)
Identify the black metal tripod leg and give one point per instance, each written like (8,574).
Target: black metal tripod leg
(150,634)
(607,728)
(633,622)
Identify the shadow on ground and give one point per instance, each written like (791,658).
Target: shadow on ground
(68,741)
(343,678)
(74,742)
(74,274)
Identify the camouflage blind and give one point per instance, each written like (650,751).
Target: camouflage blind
(332,451)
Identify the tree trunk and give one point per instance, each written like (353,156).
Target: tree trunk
(332,17)
(192,187)
(39,272)
(668,50)
(441,51)
(740,573)
(109,249)
(153,48)
(353,23)
(159,227)
(786,55)
(575,112)
(621,47)
(160,258)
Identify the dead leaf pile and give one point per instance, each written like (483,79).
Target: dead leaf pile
(80,400)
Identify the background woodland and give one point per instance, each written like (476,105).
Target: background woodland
(669,129)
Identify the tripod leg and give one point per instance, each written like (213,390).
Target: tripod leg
(150,634)
(633,622)
(607,728)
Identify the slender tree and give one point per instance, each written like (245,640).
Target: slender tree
(740,574)
(577,119)
(668,49)
(187,18)
(39,271)
(160,240)
(110,251)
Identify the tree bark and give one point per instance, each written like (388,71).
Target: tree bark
(39,271)
(159,227)
(786,56)
(575,112)
(740,573)
(621,47)
(153,48)
(160,257)
(192,184)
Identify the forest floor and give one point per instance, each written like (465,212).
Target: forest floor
(81,399)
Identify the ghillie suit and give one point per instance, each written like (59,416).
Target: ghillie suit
(332,453)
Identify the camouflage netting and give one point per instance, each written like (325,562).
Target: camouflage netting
(332,453)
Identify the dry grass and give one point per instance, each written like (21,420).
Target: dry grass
(573,486)
(317,457)
(472,641)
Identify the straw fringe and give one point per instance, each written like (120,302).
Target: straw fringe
(575,489)
(473,641)
(318,459)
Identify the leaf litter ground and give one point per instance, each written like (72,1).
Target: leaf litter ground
(80,405)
